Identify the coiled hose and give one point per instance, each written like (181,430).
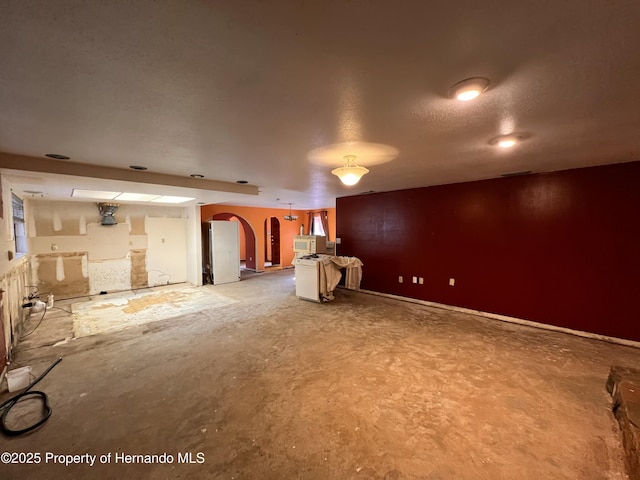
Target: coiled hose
(6,406)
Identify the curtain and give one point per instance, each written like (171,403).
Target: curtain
(309,223)
(324,217)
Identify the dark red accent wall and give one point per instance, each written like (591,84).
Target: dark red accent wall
(560,248)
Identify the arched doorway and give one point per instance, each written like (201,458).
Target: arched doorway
(271,241)
(248,242)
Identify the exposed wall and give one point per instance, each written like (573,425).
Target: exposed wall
(256,216)
(14,274)
(561,248)
(73,255)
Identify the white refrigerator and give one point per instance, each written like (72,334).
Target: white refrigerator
(225,251)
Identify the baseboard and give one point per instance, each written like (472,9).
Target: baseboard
(505,318)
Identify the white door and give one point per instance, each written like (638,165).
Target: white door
(225,251)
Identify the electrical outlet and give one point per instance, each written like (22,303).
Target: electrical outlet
(415,279)
(400,280)
(421,281)
(452,282)
(338,241)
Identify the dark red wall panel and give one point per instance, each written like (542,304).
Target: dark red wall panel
(561,248)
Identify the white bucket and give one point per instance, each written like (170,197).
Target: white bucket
(19,379)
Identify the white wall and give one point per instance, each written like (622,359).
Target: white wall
(194,245)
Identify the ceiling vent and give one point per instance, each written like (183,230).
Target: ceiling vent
(108,210)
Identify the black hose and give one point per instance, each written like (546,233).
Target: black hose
(9,404)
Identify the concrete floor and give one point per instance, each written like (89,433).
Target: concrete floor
(273,387)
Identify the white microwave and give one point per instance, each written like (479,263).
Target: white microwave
(309,244)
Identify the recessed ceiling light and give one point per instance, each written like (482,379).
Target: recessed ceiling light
(57,156)
(196,175)
(138,167)
(507,141)
(469,89)
(242,181)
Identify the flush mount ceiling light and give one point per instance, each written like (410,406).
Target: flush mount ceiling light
(127,196)
(57,156)
(97,194)
(351,173)
(169,199)
(196,175)
(469,89)
(507,141)
(290,217)
(136,197)
(137,167)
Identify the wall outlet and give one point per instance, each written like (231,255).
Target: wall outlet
(400,280)
(452,282)
(415,279)
(338,241)
(421,281)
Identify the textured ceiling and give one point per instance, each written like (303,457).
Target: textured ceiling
(246,89)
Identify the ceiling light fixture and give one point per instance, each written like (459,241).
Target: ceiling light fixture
(351,173)
(469,89)
(170,199)
(196,175)
(57,156)
(136,197)
(507,141)
(242,182)
(290,217)
(137,167)
(96,194)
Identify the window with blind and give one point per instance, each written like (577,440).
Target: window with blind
(19,231)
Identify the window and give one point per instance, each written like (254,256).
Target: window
(19,232)
(319,223)
(316,227)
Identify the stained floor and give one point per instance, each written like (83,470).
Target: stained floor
(364,387)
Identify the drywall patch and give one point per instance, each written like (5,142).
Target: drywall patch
(109,276)
(85,266)
(59,269)
(139,275)
(167,251)
(137,225)
(107,242)
(46,267)
(57,222)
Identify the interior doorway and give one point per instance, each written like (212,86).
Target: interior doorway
(247,244)
(271,241)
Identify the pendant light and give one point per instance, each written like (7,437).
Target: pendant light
(290,217)
(351,173)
